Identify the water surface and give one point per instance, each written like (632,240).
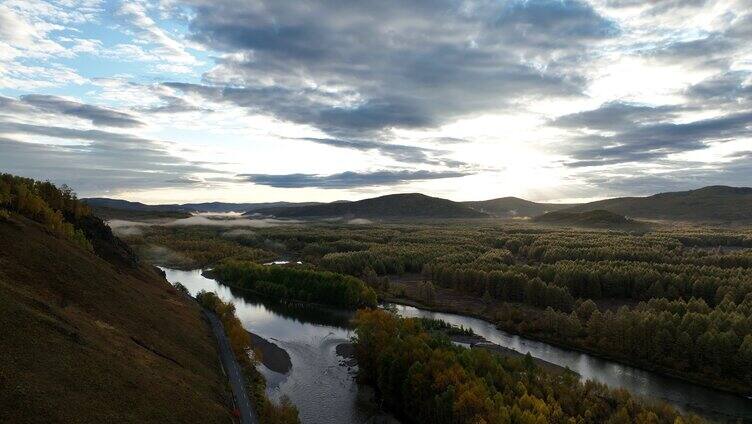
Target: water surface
(323,389)
(685,396)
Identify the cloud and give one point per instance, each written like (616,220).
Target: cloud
(715,47)
(359,69)
(615,115)
(733,89)
(174,104)
(346,180)
(675,177)
(148,30)
(618,132)
(554,24)
(96,114)
(399,152)
(93,135)
(407,80)
(31,39)
(93,161)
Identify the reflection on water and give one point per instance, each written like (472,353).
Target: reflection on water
(685,396)
(323,390)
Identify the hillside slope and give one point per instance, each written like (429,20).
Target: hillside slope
(90,340)
(714,203)
(394,206)
(510,207)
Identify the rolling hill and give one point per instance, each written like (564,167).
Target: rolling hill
(511,207)
(714,203)
(393,206)
(596,219)
(91,335)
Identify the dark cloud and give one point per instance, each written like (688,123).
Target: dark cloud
(347,180)
(554,24)
(619,132)
(96,114)
(7,127)
(730,88)
(399,152)
(616,115)
(679,176)
(355,69)
(713,51)
(633,133)
(708,49)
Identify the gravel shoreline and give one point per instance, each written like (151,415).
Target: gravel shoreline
(272,356)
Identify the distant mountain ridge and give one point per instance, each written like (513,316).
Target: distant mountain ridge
(712,203)
(217,207)
(510,207)
(409,205)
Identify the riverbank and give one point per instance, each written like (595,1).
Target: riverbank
(347,352)
(272,356)
(322,388)
(450,301)
(477,342)
(233,370)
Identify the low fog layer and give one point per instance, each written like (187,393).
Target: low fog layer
(227,220)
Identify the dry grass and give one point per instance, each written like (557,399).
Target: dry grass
(86,341)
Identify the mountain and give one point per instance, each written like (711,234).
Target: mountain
(596,219)
(399,206)
(714,203)
(510,207)
(122,209)
(90,335)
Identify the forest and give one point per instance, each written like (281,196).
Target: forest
(675,298)
(57,209)
(423,378)
(293,283)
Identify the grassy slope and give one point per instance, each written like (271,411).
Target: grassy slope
(84,340)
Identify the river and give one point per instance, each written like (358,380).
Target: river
(319,384)
(324,390)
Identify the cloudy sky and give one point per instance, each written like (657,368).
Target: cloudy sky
(250,100)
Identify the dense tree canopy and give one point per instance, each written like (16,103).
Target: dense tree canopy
(424,378)
(293,283)
(579,288)
(57,209)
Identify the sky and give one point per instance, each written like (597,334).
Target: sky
(321,100)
